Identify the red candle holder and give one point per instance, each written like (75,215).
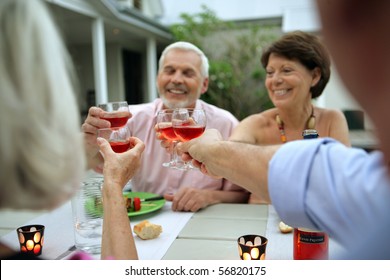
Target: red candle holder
(31,239)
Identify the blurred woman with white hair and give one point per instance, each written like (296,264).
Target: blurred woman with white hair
(42,156)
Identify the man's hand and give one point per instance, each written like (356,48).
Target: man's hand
(189,199)
(92,123)
(198,150)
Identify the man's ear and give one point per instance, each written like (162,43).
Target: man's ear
(205,85)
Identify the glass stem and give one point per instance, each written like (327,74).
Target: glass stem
(174,152)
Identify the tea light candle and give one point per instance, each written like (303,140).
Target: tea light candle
(31,239)
(252,247)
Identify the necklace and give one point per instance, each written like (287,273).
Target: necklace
(310,124)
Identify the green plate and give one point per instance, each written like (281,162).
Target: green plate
(147,206)
(96,210)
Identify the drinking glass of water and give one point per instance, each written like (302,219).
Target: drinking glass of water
(87,210)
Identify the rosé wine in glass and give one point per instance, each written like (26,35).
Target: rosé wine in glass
(120,146)
(117,121)
(186,133)
(164,126)
(117,113)
(119,138)
(168,132)
(188,124)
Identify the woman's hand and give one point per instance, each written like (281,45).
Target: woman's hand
(92,123)
(119,168)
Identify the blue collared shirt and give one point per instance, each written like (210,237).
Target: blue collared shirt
(322,184)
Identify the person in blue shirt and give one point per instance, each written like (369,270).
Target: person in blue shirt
(321,183)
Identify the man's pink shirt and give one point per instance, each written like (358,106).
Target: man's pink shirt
(152,176)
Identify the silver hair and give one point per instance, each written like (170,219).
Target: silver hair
(42,156)
(204,68)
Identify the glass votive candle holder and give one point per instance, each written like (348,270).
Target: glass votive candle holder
(31,239)
(252,247)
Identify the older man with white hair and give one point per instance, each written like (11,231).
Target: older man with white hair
(182,78)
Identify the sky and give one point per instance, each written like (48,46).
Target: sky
(224,9)
(296,14)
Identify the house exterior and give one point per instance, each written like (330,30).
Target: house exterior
(115,46)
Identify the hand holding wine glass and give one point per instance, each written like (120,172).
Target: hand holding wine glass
(196,150)
(119,138)
(164,126)
(117,113)
(188,124)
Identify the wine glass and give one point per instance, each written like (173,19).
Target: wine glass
(188,124)
(117,113)
(119,138)
(164,126)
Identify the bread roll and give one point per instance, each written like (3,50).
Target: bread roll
(285,228)
(146,230)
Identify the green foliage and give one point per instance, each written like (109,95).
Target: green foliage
(234,51)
